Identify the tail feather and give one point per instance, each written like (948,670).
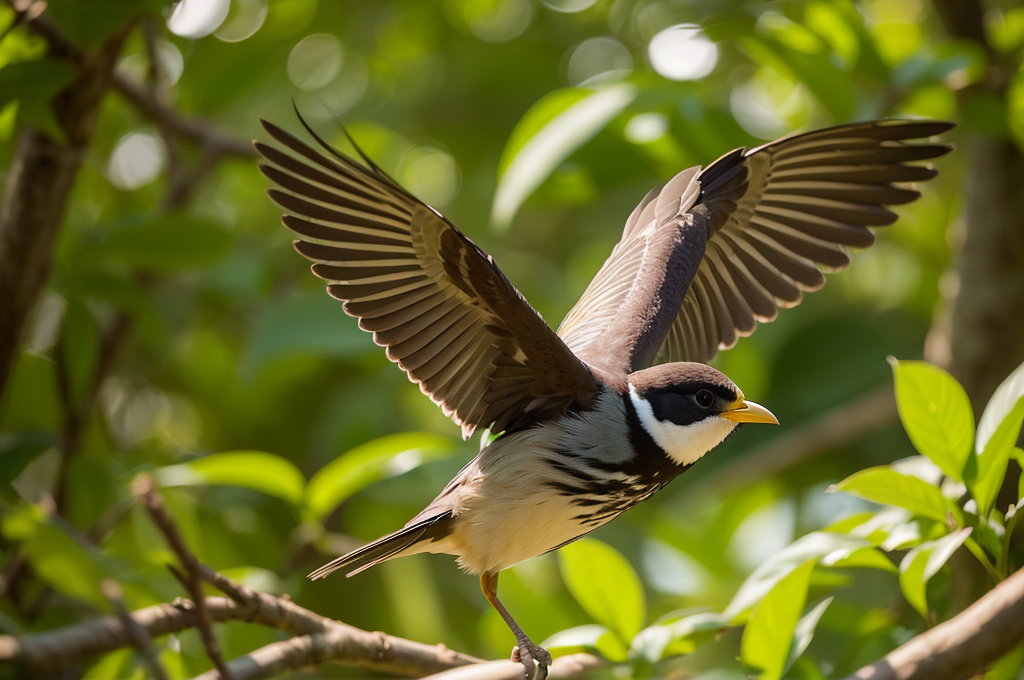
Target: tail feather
(387,547)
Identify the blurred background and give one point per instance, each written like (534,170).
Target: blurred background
(177,322)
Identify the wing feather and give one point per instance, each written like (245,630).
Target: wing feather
(438,304)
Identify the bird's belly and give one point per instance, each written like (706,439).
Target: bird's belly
(497,530)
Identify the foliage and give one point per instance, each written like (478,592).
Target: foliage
(282,436)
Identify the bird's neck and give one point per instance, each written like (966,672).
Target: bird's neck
(683,444)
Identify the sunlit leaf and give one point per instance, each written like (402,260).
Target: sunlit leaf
(363,465)
(768,637)
(936,414)
(884,485)
(590,638)
(56,558)
(813,546)
(680,636)
(605,585)
(923,562)
(867,557)
(556,126)
(257,470)
(803,633)
(997,434)
(167,243)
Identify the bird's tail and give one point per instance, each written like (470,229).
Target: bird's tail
(387,547)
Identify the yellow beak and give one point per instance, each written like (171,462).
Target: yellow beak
(749,412)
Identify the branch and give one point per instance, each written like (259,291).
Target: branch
(964,645)
(144,490)
(140,638)
(62,647)
(142,98)
(38,186)
(564,668)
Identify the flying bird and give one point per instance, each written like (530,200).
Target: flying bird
(588,424)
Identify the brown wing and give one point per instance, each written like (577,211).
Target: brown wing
(775,217)
(620,321)
(440,306)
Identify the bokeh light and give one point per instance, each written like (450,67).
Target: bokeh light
(244,19)
(136,161)
(197,18)
(431,175)
(599,58)
(315,61)
(682,52)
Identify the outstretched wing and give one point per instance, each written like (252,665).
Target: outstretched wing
(773,218)
(439,305)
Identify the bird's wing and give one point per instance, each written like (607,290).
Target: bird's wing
(775,216)
(439,305)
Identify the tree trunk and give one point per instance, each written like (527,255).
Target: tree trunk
(38,186)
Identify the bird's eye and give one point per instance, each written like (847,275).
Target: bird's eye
(704,398)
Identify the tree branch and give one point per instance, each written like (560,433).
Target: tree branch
(37,190)
(963,646)
(140,638)
(59,648)
(564,668)
(145,492)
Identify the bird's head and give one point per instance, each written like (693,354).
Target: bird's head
(689,408)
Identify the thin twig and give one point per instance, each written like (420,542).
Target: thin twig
(138,635)
(564,668)
(193,129)
(144,490)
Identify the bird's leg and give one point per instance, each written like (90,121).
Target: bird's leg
(535,659)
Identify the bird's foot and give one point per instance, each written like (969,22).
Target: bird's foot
(536,660)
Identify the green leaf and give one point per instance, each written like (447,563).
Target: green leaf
(17,450)
(590,638)
(803,633)
(678,636)
(553,128)
(257,470)
(997,434)
(34,84)
(56,558)
(813,546)
(868,557)
(363,465)
(168,243)
(923,562)
(605,585)
(936,414)
(884,485)
(768,637)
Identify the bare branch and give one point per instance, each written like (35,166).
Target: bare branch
(964,645)
(140,638)
(144,490)
(64,646)
(142,98)
(564,668)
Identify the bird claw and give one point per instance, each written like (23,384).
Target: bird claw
(536,660)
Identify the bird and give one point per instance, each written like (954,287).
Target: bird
(588,420)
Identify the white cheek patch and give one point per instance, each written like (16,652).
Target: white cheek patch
(685,444)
